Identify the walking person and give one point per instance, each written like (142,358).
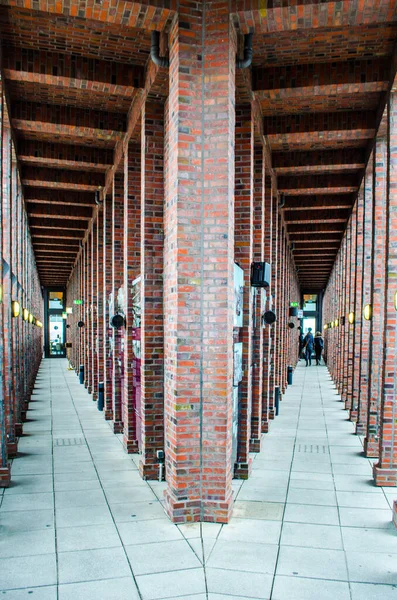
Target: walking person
(318,347)
(308,346)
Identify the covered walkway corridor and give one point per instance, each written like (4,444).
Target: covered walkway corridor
(78,522)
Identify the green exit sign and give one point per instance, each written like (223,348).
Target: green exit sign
(294,304)
(77,302)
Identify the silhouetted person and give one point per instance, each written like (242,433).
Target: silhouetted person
(308,346)
(318,346)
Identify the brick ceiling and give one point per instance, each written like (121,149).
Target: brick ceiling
(320,74)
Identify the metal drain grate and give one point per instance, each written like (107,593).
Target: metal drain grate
(69,442)
(312,449)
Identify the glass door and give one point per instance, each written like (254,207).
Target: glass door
(55,325)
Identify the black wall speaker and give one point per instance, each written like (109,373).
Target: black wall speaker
(291,325)
(80,324)
(293,311)
(260,274)
(117,321)
(269,317)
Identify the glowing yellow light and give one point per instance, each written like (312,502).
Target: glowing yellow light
(31,318)
(351,318)
(395,300)
(325,326)
(367,312)
(15,308)
(25,314)
(1,293)
(332,324)
(39,324)
(64,315)
(69,310)
(336,322)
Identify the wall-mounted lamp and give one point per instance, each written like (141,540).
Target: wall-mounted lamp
(15,308)
(351,318)
(326,326)
(64,315)
(336,322)
(39,323)
(332,324)
(1,293)
(69,310)
(25,314)
(368,312)
(395,300)
(31,318)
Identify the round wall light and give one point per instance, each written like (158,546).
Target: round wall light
(332,324)
(326,326)
(39,323)
(15,308)
(31,318)
(351,318)
(336,322)
(395,300)
(25,314)
(368,312)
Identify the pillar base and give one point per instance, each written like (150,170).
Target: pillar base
(360,429)
(395,513)
(5,476)
(108,414)
(371,448)
(18,429)
(130,446)
(117,427)
(12,449)
(385,477)
(195,511)
(23,416)
(242,470)
(89,389)
(149,472)
(272,413)
(255,444)
(265,427)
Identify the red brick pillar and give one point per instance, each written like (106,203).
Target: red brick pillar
(349,301)
(88,325)
(107,305)
(376,342)
(258,381)
(361,425)
(117,282)
(385,471)
(243,254)
(94,311)
(344,331)
(268,330)
(100,303)
(132,268)
(273,302)
(152,327)
(356,305)
(199,264)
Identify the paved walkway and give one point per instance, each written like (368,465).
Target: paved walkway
(78,523)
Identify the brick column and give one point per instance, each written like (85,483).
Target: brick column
(268,330)
(361,425)
(88,325)
(117,282)
(94,312)
(132,267)
(107,294)
(385,471)
(152,328)
(243,254)
(349,301)
(258,381)
(100,303)
(378,284)
(198,264)
(356,305)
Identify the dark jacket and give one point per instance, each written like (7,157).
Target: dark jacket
(309,340)
(318,343)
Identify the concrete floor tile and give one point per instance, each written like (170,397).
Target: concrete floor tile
(361,500)
(141,493)
(306,497)
(68,486)
(28,484)
(89,537)
(348,483)
(89,565)
(168,585)
(270,511)
(123,588)
(311,536)
(251,530)
(297,588)
(75,498)
(83,515)
(147,532)
(366,517)
(372,567)
(238,584)
(16,502)
(370,540)
(312,562)
(244,556)
(28,571)
(27,543)
(321,515)
(368,591)
(22,520)
(161,557)
(137,511)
